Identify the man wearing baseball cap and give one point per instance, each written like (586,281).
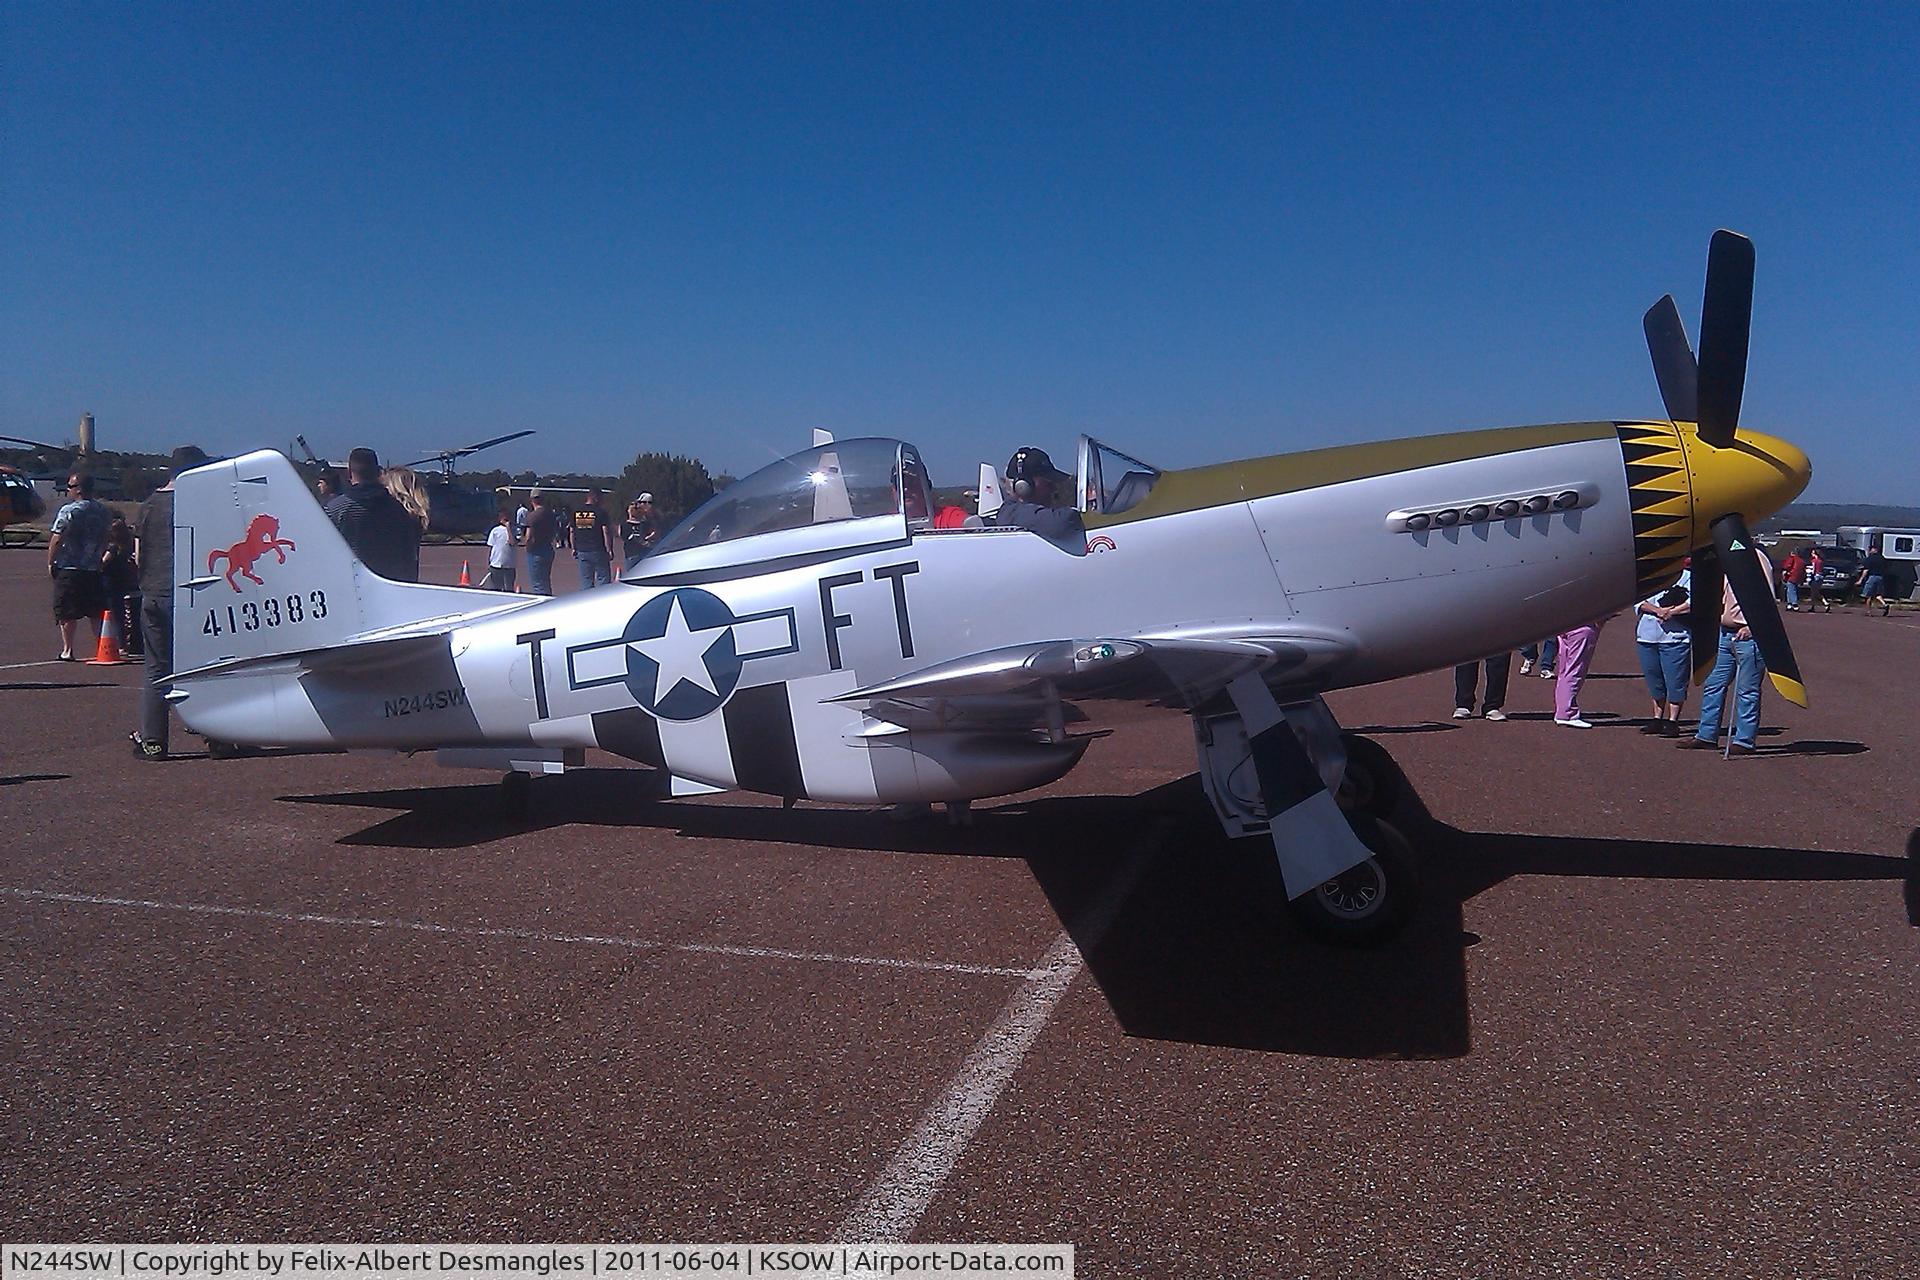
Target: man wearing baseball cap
(542,527)
(1036,484)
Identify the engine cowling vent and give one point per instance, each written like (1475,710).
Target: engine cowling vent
(1497,508)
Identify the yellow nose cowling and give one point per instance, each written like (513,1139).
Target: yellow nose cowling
(1756,475)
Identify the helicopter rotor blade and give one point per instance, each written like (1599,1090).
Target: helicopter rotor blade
(488,444)
(39,444)
(447,457)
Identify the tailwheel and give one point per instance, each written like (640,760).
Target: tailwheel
(1366,904)
(1371,783)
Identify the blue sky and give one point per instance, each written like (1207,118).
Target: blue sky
(1200,232)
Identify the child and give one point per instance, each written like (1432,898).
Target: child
(121,577)
(500,570)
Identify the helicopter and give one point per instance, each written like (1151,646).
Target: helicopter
(20,502)
(458,510)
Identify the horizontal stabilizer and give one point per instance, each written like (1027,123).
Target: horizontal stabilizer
(369,656)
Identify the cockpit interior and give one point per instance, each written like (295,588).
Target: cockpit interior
(844,492)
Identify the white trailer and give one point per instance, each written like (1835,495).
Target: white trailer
(1894,544)
(1901,547)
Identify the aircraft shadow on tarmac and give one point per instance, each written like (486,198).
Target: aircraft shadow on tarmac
(1200,950)
(29,686)
(1426,726)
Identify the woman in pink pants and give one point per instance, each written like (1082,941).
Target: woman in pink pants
(1576,655)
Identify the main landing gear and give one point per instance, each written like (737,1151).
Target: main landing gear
(1367,903)
(1322,797)
(520,765)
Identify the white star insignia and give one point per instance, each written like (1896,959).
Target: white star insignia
(680,653)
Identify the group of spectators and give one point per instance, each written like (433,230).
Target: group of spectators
(1663,639)
(382,514)
(539,531)
(92,559)
(1801,579)
(100,566)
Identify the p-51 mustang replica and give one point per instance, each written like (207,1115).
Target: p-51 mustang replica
(807,633)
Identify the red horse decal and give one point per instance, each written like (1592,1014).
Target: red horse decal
(263,535)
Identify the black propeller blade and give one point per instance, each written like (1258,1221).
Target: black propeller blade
(1752,582)
(1726,315)
(1673,362)
(1703,614)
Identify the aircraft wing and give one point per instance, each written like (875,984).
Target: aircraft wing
(1183,671)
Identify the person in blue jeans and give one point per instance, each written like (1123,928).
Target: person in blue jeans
(1738,664)
(1543,652)
(594,536)
(1660,635)
(541,528)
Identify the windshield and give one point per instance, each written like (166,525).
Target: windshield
(845,480)
(1114,481)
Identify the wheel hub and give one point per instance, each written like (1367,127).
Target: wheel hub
(1355,893)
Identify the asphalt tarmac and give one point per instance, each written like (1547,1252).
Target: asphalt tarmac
(1656,1016)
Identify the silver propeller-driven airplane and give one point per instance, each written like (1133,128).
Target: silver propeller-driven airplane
(808,634)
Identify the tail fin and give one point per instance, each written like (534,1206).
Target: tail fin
(990,499)
(259,571)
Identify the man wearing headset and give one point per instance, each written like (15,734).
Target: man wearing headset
(1035,483)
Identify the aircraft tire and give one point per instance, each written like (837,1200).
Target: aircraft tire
(1371,784)
(1366,906)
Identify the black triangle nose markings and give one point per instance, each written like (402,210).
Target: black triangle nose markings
(1656,471)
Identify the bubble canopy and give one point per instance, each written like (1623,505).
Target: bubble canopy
(846,480)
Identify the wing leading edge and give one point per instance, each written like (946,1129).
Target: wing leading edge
(1183,671)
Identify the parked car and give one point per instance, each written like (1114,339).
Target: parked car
(1839,566)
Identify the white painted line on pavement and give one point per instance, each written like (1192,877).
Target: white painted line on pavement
(521,935)
(50,662)
(893,1206)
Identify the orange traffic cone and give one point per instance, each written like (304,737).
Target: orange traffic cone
(107,653)
(466,578)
